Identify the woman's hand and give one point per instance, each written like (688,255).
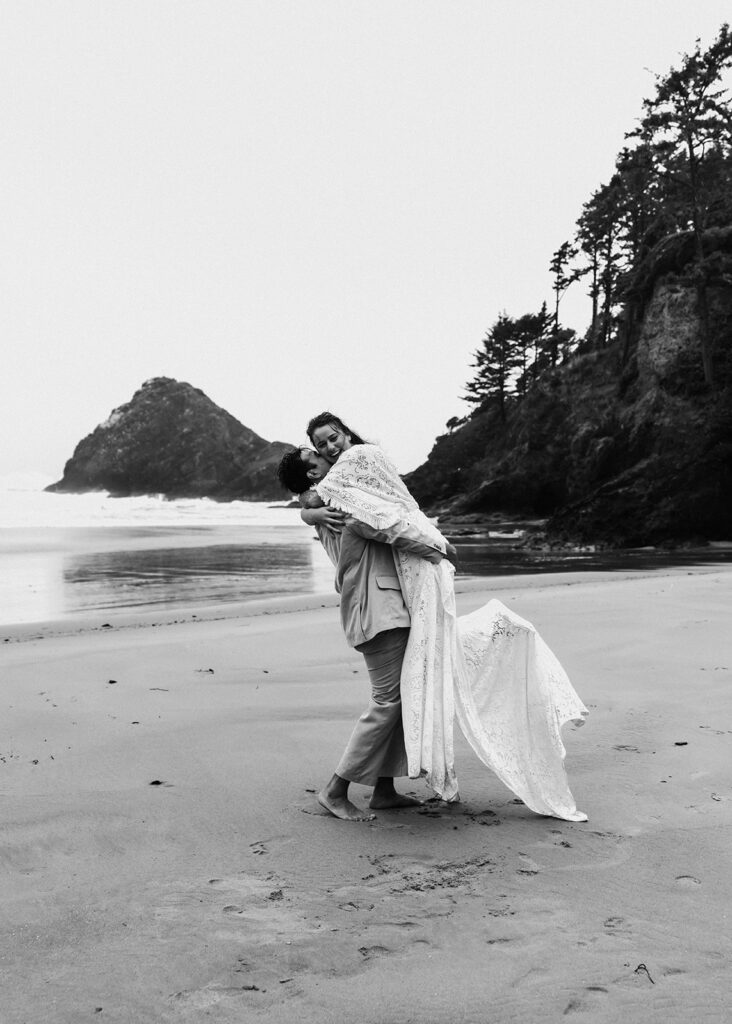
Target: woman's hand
(331,518)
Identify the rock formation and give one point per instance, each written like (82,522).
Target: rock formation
(624,445)
(171,439)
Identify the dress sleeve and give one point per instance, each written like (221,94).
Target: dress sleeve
(364,483)
(402,535)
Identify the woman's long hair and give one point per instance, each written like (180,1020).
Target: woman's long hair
(325,419)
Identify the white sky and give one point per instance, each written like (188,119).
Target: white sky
(296,204)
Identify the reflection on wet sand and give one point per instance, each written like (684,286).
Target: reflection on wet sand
(478,558)
(58,573)
(178,576)
(224,573)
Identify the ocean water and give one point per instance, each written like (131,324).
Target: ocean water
(65,555)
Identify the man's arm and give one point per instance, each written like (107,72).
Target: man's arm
(405,536)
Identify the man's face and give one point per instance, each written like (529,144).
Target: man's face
(315,464)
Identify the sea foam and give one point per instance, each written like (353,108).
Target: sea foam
(24,504)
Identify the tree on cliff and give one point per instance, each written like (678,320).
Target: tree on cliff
(496,362)
(618,226)
(563,276)
(644,212)
(687,126)
(598,239)
(534,341)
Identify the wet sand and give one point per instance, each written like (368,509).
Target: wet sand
(164,858)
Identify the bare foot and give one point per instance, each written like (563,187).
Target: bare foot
(341,807)
(390,801)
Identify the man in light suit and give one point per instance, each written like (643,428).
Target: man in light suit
(376,622)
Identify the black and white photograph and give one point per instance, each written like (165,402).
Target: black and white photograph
(366,512)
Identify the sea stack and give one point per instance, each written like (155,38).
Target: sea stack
(171,439)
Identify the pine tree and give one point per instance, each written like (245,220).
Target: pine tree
(688,127)
(599,239)
(564,276)
(496,363)
(533,333)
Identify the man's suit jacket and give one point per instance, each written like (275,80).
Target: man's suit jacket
(366,577)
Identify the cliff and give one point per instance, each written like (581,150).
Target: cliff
(624,445)
(171,439)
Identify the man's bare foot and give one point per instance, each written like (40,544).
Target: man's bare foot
(341,807)
(391,801)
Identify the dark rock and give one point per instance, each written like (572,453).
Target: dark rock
(171,439)
(615,447)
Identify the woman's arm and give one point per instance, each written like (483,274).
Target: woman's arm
(406,536)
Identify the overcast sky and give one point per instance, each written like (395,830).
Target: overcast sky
(297,204)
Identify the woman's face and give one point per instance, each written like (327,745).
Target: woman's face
(330,441)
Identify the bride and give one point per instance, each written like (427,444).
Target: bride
(490,669)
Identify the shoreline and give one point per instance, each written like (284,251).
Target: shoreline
(111,619)
(164,573)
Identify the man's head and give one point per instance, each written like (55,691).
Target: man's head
(300,468)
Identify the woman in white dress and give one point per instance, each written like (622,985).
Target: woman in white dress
(490,669)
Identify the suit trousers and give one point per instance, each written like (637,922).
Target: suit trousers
(376,747)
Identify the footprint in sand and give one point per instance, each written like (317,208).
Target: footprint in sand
(356,905)
(687,881)
(426,874)
(500,912)
(483,817)
(528,866)
(377,860)
(370,952)
(616,926)
(588,999)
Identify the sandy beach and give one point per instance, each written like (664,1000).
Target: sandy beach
(164,858)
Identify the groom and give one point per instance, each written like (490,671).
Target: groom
(376,622)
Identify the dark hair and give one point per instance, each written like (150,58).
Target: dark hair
(324,419)
(292,472)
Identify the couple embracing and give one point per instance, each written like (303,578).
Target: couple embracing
(490,669)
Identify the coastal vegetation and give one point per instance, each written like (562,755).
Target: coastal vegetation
(622,435)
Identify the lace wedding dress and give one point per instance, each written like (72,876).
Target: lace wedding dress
(490,669)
